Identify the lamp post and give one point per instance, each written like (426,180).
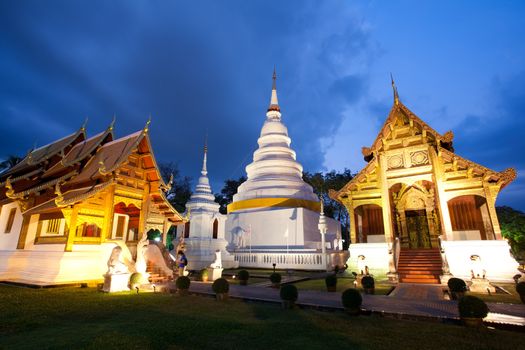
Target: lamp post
(323,228)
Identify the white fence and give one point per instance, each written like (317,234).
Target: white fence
(301,261)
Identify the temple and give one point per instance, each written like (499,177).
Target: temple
(66,205)
(203,233)
(420,212)
(274,214)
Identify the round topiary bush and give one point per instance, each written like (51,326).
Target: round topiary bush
(220,286)
(243,275)
(331,283)
(275,278)
(368,282)
(520,288)
(183,282)
(352,299)
(136,279)
(472,307)
(288,292)
(457,285)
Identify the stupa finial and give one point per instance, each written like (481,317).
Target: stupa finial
(274,103)
(394,88)
(204,170)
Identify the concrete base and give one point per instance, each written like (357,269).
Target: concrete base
(116,282)
(372,255)
(481,285)
(200,253)
(214,274)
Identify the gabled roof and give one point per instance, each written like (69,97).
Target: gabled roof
(41,154)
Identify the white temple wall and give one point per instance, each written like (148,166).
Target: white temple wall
(494,256)
(375,256)
(9,241)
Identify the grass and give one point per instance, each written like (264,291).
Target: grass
(342,285)
(87,319)
(512,298)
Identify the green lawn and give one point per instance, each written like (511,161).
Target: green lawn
(512,298)
(84,318)
(342,285)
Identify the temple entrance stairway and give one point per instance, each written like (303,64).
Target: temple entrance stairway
(157,274)
(419,266)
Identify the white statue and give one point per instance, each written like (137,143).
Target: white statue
(217,264)
(142,246)
(115,266)
(361,264)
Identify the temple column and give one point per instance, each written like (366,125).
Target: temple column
(109,213)
(491,206)
(23,232)
(165,228)
(144,211)
(446,224)
(72,224)
(385,201)
(350,208)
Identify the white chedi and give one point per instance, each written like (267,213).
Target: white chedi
(206,226)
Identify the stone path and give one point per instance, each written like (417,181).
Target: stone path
(403,305)
(418,291)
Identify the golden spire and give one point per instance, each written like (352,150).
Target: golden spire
(394,88)
(112,125)
(146,127)
(83,127)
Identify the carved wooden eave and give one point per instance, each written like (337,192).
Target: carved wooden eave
(43,186)
(21,177)
(360,177)
(502,178)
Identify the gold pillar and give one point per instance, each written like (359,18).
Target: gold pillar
(438,175)
(144,211)
(385,200)
(490,197)
(109,210)
(350,208)
(72,224)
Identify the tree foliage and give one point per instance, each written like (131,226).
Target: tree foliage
(332,180)
(226,196)
(512,224)
(180,191)
(9,162)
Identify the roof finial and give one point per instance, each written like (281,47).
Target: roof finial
(146,127)
(394,88)
(83,127)
(274,103)
(112,122)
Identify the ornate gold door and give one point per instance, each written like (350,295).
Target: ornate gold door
(417,227)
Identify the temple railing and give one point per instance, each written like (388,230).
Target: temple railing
(311,261)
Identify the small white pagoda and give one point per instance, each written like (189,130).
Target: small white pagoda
(274,214)
(204,232)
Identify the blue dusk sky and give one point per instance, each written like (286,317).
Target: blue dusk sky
(207,65)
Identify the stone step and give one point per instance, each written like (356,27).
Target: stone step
(423,281)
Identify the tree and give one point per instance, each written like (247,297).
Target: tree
(180,191)
(512,224)
(321,183)
(226,196)
(9,162)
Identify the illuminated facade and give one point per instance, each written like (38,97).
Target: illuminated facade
(416,198)
(66,205)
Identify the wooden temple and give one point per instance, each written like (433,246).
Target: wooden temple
(415,190)
(80,193)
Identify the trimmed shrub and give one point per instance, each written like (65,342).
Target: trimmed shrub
(288,292)
(220,286)
(275,278)
(457,285)
(136,278)
(520,288)
(368,282)
(183,282)
(472,307)
(352,299)
(243,275)
(330,281)
(204,274)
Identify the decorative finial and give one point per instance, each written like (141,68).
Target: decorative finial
(204,170)
(110,128)
(83,127)
(274,103)
(206,142)
(58,192)
(394,88)
(146,127)
(166,188)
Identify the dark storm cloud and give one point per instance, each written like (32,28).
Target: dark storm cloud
(496,138)
(195,66)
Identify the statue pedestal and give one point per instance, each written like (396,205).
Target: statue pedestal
(116,282)
(481,285)
(214,273)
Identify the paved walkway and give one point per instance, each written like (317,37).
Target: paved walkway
(414,291)
(402,305)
